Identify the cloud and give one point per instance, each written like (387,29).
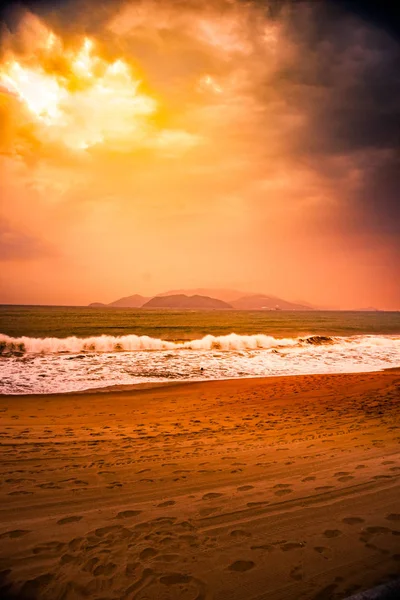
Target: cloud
(346,81)
(275,127)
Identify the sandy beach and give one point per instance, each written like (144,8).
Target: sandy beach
(281,488)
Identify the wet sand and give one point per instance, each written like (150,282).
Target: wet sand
(281,488)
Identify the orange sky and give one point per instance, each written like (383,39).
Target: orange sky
(192,145)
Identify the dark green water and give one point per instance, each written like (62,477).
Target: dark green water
(45,321)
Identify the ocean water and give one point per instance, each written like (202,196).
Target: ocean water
(59,349)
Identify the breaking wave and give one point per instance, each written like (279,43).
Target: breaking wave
(132,343)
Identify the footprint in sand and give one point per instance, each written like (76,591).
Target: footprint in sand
(166,503)
(240,566)
(376,530)
(49,549)
(353,520)
(75,544)
(311,478)
(68,558)
(345,478)
(148,553)
(332,533)
(168,558)
(126,514)
(107,569)
(238,533)
(91,564)
(283,492)
(268,547)
(166,541)
(174,586)
(292,546)
(245,488)
(211,496)
(15,533)
(393,517)
(67,520)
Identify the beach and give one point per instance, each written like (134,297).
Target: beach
(199,300)
(275,488)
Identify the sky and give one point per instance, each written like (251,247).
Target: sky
(150,145)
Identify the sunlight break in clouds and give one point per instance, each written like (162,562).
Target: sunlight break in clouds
(91,102)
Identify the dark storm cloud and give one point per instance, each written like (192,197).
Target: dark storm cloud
(379,198)
(345,80)
(381,13)
(347,77)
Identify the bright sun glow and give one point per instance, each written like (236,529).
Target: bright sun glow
(91,102)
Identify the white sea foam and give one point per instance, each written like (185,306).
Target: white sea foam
(131,343)
(34,365)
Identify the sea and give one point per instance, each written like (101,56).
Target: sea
(53,349)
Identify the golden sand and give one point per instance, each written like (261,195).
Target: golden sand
(281,488)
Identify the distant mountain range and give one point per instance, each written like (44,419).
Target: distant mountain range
(184,301)
(220,294)
(205,298)
(135,301)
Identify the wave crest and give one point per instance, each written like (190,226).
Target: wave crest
(10,346)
